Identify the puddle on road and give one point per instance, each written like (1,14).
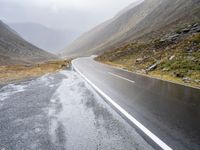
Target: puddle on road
(80,119)
(24,120)
(61,111)
(9,90)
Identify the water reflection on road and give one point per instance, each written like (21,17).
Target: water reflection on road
(61,111)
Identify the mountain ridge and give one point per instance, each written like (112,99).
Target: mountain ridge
(148,18)
(44,37)
(15,50)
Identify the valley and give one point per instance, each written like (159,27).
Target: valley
(17,73)
(127,82)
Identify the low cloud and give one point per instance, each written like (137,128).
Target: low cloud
(63,14)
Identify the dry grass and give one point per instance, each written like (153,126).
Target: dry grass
(159,74)
(186,61)
(19,72)
(169,77)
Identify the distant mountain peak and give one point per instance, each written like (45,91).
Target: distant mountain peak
(44,37)
(14,49)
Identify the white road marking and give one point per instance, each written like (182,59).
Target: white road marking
(121,77)
(146,131)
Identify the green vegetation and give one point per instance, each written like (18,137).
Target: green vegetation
(177,58)
(196,39)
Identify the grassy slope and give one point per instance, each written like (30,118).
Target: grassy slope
(12,73)
(177,60)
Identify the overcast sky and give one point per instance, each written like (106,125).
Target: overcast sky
(67,14)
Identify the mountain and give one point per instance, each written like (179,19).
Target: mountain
(15,50)
(129,7)
(44,37)
(148,19)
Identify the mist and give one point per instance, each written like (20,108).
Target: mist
(79,15)
(53,24)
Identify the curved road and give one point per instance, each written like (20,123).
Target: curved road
(61,111)
(170,111)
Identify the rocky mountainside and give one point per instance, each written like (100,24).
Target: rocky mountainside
(15,50)
(43,37)
(174,56)
(147,20)
(170,15)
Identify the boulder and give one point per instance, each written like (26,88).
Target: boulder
(172,57)
(186,80)
(173,37)
(196,29)
(139,60)
(170,38)
(152,67)
(186,30)
(195,25)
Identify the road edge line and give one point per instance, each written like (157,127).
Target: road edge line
(146,131)
(148,76)
(121,77)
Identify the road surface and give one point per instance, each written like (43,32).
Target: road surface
(169,111)
(61,111)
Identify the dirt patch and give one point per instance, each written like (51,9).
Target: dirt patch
(13,73)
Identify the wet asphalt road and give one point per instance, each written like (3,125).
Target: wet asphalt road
(61,111)
(170,111)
